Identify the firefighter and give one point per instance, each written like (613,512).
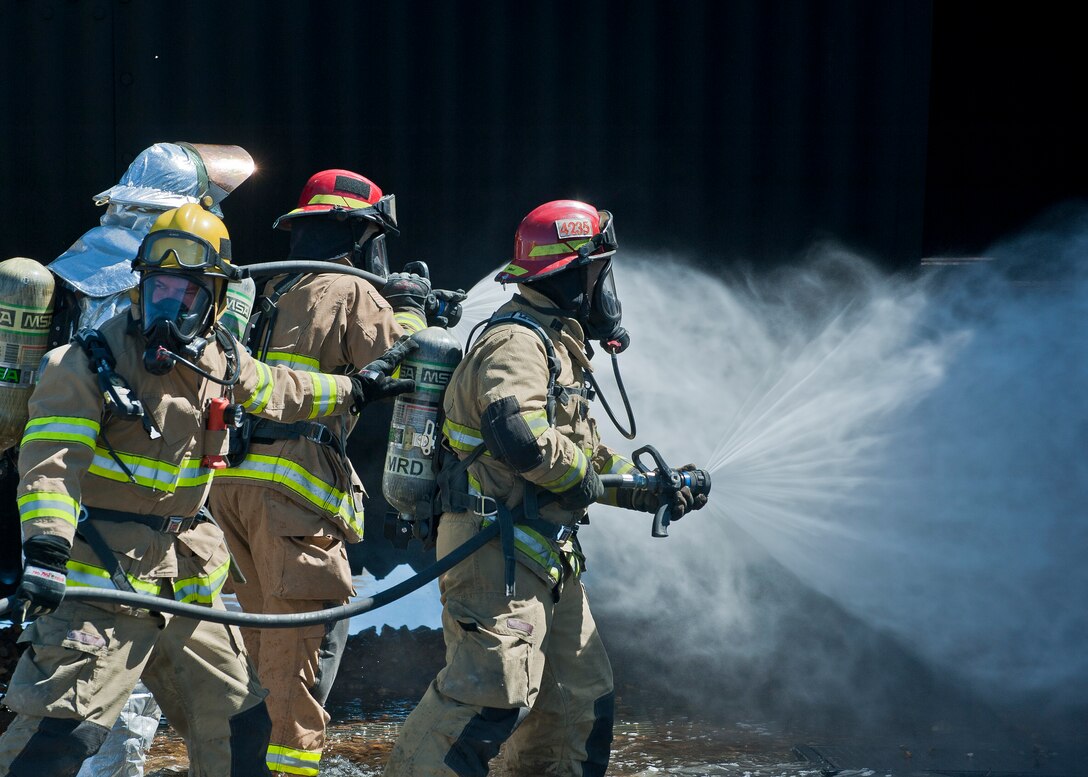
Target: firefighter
(115,463)
(96,273)
(291,506)
(528,668)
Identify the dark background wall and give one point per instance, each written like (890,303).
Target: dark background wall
(725,131)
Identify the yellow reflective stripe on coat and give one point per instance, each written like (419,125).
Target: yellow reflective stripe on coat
(292,761)
(535,548)
(65,429)
(462,438)
(152,473)
(293,360)
(572,477)
(616,465)
(410,321)
(537,421)
(263,391)
(48,504)
(201,589)
(82,575)
(324,398)
(273,469)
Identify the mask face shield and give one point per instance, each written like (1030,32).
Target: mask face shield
(370,255)
(605,312)
(175,307)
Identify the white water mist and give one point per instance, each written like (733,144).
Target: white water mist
(912,448)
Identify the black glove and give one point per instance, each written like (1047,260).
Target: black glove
(444,307)
(683,501)
(45,576)
(587,492)
(373,382)
(407,291)
(680,502)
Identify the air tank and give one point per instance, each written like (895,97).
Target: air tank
(26,313)
(408,482)
(236,317)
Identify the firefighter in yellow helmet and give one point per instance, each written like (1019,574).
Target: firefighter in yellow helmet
(527,666)
(291,506)
(115,463)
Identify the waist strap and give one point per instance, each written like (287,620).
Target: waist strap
(265,431)
(167,524)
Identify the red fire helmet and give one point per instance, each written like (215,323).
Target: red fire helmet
(558,235)
(345,194)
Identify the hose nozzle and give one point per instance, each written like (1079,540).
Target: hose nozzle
(663,481)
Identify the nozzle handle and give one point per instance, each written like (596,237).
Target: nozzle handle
(661,523)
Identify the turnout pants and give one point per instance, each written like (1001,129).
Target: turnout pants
(290,566)
(83,661)
(529,671)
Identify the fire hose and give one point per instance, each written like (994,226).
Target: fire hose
(662,481)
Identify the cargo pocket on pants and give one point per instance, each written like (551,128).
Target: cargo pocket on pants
(310,568)
(491,662)
(60,673)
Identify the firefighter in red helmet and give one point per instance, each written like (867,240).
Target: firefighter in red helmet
(291,506)
(525,665)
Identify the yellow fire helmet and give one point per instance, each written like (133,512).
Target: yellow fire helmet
(189,239)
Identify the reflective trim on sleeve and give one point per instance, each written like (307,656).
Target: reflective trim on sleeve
(290,760)
(202,589)
(64,429)
(537,421)
(617,465)
(324,397)
(410,321)
(48,504)
(569,479)
(293,360)
(262,393)
(462,438)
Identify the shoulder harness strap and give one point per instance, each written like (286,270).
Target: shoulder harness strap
(554,364)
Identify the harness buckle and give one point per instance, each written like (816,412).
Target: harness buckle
(480,506)
(565,533)
(174,524)
(320,434)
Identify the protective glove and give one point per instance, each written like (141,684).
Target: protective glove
(45,576)
(408,290)
(375,380)
(444,307)
(680,502)
(683,501)
(587,492)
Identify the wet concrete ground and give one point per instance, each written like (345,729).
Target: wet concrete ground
(359,747)
(650,743)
